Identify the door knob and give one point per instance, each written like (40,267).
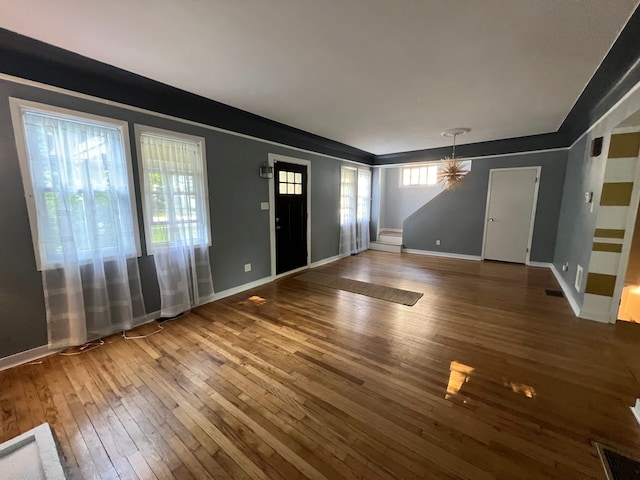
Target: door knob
(491,219)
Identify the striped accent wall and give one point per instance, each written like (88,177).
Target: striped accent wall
(609,235)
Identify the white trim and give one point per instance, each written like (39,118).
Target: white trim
(567,290)
(459,256)
(624,98)
(636,410)
(534,207)
(25,357)
(272,158)
(577,284)
(319,263)
(614,241)
(71,93)
(170,135)
(241,288)
(291,272)
(17,106)
(626,245)
(46,461)
(464,159)
(396,230)
(595,316)
(539,264)
(379,204)
(622,130)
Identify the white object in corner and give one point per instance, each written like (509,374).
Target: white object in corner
(636,410)
(25,357)
(579,273)
(31,455)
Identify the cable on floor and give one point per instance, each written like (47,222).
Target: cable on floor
(138,337)
(87,347)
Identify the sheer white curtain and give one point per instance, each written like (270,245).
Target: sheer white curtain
(363,209)
(176,220)
(348,207)
(86,240)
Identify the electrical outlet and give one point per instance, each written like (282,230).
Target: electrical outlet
(437,242)
(247,267)
(264,205)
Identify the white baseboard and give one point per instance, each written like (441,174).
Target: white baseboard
(396,230)
(540,264)
(432,253)
(242,288)
(567,290)
(636,410)
(25,357)
(248,286)
(42,351)
(594,316)
(319,263)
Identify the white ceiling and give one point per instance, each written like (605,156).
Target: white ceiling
(381,75)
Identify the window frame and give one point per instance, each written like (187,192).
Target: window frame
(140,129)
(418,185)
(17,106)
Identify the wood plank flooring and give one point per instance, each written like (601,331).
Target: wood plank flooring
(485,377)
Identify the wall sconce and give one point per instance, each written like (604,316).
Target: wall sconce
(266,170)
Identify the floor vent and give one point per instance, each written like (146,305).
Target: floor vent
(554,293)
(618,466)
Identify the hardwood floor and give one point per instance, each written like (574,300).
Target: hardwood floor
(485,377)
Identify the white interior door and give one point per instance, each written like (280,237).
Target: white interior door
(510,208)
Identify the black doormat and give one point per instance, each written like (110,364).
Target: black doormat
(554,293)
(618,466)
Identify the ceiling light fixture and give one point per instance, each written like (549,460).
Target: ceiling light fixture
(453,170)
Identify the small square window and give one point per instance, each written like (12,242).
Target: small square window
(419,176)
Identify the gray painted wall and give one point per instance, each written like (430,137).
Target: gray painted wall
(456,217)
(240,229)
(585,174)
(400,202)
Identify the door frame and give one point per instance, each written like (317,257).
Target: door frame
(272,158)
(534,207)
(634,211)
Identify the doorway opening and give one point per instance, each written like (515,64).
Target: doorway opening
(619,243)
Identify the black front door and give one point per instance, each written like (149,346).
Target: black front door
(291,216)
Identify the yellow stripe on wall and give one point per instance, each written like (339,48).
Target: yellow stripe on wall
(616,194)
(609,233)
(607,247)
(600,284)
(624,145)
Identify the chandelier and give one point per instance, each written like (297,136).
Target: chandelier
(453,170)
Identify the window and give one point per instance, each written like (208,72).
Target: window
(174,188)
(355,209)
(289,183)
(76,173)
(421,175)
